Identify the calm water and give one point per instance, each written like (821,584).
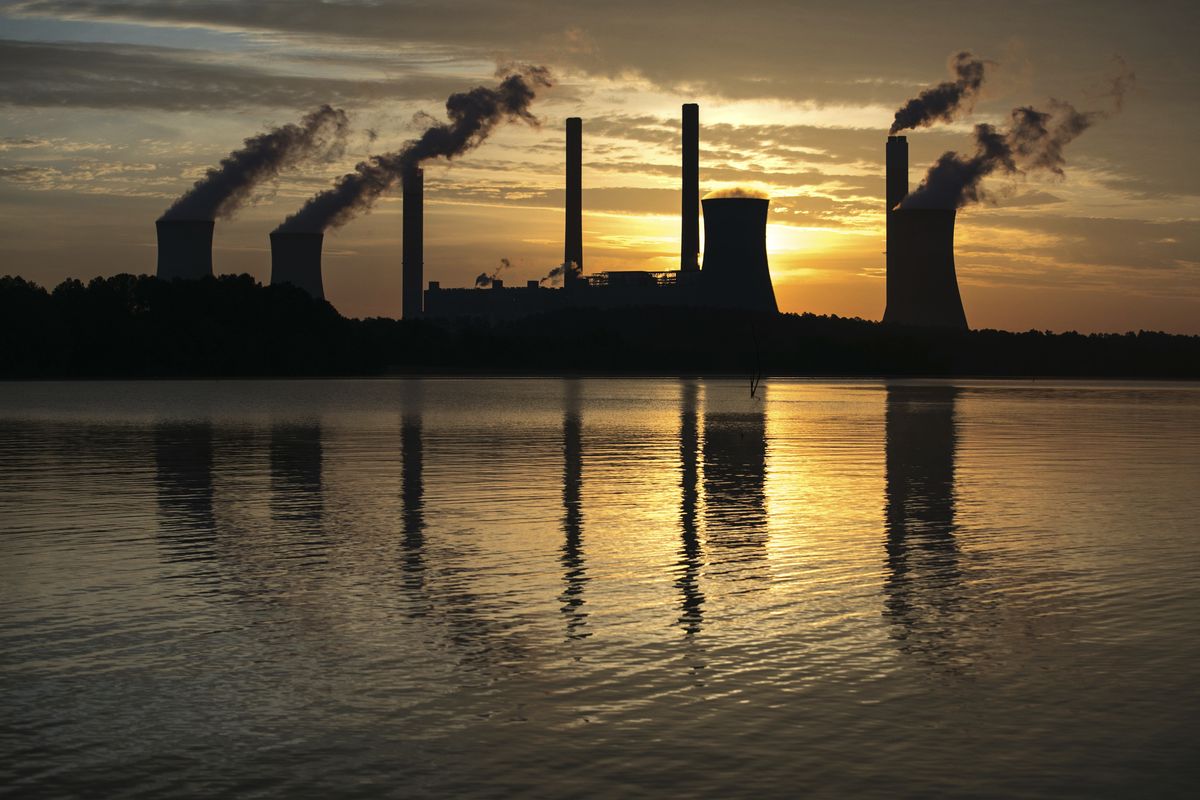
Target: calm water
(598,588)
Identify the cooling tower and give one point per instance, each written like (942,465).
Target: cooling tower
(736,274)
(921,285)
(296,259)
(690,210)
(184,248)
(573,238)
(413,267)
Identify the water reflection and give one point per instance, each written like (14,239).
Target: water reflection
(295,466)
(571,557)
(691,554)
(183,460)
(412,494)
(924,585)
(735,478)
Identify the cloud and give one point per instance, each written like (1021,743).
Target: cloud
(1135,244)
(763,54)
(110,76)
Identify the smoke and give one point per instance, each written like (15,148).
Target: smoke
(1120,83)
(224,189)
(473,115)
(737,191)
(1034,141)
(556,275)
(944,101)
(954,180)
(486,279)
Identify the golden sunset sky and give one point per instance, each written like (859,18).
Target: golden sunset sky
(110,110)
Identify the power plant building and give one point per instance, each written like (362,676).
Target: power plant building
(735,273)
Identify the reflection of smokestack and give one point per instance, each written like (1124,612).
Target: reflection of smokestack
(573,239)
(413,278)
(921,285)
(690,236)
(184,248)
(296,259)
(735,254)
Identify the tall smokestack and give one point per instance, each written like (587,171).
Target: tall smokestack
(897,170)
(412,280)
(895,190)
(184,248)
(922,288)
(296,259)
(573,238)
(736,273)
(690,212)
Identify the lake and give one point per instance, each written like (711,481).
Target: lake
(596,588)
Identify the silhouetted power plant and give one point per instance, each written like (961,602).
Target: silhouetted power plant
(922,288)
(736,274)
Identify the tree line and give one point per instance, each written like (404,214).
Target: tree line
(129,326)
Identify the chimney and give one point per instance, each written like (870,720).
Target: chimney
(690,235)
(897,170)
(736,273)
(413,267)
(184,248)
(922,288)
(296,259)
(573,238)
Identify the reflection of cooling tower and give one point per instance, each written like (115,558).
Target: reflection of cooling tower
(413,267)
(296,259)
(184,248)
(921,285)
(736,274)
(735,476)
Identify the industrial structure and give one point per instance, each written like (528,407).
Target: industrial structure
(736,274)
(184,248)
(296,259)
(413,266)
(922,288)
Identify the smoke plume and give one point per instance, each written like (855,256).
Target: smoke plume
(1033,142)
(554,276)
(473,115)
(944,101)
(737,191)
(486,279)
(225,188)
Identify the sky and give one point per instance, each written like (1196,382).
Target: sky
(110,110)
